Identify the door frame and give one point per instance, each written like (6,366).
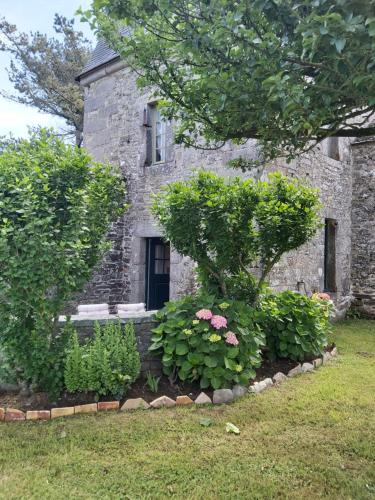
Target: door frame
(149,240)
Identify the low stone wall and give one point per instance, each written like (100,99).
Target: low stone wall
(364,304)
(142,325)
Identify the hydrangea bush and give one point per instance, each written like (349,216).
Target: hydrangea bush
(203,338)
(295,325)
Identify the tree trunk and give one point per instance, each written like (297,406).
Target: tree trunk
(79,137)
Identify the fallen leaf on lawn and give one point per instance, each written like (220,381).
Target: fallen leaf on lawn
(206,422)
(232,428)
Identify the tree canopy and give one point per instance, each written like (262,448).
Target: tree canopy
(43,70)
(228,228)
(288,73)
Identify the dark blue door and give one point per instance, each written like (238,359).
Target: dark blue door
(157,273)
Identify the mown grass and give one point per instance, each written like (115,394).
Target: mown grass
(313,437)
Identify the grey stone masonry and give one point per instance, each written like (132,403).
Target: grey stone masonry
(363,227)
(114,131)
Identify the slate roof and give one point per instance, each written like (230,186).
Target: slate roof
(101,55)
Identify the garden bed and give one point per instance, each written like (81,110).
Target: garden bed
(41,401)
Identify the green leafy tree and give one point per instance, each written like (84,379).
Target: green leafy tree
(229,227)
(43,70)
(288,73)
(56,207)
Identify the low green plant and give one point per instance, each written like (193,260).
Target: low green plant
(152,382)
(107,364)
(207,339)
(295,325)
(353,313)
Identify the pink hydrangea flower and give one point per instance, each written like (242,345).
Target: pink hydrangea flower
(230,338)
(204,314)
(218,322)
(324,296)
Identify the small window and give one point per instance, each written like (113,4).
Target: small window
(333,148)
(162,259)
(330,255)
(156,135)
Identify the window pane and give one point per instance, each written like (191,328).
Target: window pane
(159,251)
(159,267)
(162,147)
(162,258)
(158,136)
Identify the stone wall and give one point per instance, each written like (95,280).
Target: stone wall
(114,131)
(363,227)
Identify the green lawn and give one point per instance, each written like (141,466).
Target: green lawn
(314,437)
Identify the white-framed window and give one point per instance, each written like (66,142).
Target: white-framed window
(158,136)
(155,136)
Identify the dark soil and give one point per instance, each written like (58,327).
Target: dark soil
(41,401)
(270,368)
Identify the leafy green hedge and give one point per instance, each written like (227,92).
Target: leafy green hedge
(56,207)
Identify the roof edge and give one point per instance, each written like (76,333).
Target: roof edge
(105,69)
(91,71)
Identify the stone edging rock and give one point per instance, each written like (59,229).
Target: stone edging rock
(220,396)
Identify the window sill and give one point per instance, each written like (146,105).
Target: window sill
(158,163)
(159,166)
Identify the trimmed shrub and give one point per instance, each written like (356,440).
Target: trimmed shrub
(214,341)
(228,226)
(107,364)
(295,325)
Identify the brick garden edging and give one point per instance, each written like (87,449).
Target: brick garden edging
(220,396)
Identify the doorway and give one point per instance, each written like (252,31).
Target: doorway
(330,255)
(157,273)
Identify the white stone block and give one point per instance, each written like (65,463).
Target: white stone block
(130,307)
(92,308)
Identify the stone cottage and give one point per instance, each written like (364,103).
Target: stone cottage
(123,125)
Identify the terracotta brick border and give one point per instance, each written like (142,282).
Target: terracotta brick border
(220,396)
(108,405)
